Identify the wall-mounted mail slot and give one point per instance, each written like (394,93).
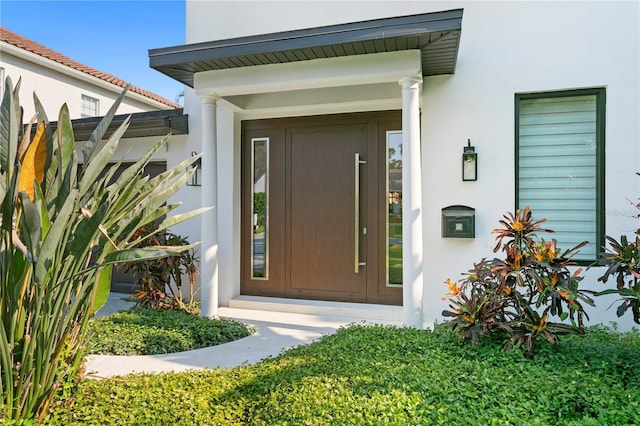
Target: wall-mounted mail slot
(458,222)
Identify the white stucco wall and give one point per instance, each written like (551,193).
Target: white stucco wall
(55,84)
(510,48)
(506,48)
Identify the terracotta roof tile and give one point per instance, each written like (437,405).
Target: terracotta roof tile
(38,49)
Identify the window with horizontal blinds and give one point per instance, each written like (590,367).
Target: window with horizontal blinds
(559,150)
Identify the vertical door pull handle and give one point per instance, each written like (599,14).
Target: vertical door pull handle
(356,224)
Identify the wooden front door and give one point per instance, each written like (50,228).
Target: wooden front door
(315,206)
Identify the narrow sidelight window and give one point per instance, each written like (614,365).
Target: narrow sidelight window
(394,212)
(260,207)
(559,169)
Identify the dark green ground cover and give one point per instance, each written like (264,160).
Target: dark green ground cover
(145,331)
(385,375)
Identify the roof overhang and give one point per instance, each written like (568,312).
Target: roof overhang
(142,124)
(436,35)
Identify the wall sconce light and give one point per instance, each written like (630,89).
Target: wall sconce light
(469,163)
(197,175)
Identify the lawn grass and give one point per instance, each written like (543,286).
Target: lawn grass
(145,331)
(395,250)
(384,375)
(395,264)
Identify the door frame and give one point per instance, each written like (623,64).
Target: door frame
(377,124)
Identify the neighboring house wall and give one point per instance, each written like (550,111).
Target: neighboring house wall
(57,79)
(507,48)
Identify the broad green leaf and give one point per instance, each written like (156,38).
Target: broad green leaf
(159,194)
(99,161)
(85,232)
(110,173)
(165,224)
(145,253)
(30,226)
(179,218)
(608,291)
(158,214)
(6,364)
(3,187)
(53,239)
(125,195)
(67,182)
(102,290)
(97,190)
(8,129)
(65,139)
(133,170)
(45,222)
(175,171)
(52,180)
(9,204)
(164,189)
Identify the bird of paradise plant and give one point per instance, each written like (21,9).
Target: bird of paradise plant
(506,295)
(61,230)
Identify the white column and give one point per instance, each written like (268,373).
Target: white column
(412,280)
(209,219)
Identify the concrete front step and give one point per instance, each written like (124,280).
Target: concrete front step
(265,307)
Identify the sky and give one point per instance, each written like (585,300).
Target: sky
(110,36)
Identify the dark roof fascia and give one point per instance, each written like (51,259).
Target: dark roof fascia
(142,124)
(171,60)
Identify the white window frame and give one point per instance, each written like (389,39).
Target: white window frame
(89,106)
(1,82)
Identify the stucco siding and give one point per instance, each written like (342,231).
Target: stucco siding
(506,48)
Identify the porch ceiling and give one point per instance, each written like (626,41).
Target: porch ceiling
(436,35)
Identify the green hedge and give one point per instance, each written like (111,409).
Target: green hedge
(144,331)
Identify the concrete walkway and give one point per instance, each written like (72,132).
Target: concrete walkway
(275,332)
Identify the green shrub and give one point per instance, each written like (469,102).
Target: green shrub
(58,231)
(376,375)
(144,331)
(622,260)
(259,208)
(160,280)
(520,295)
